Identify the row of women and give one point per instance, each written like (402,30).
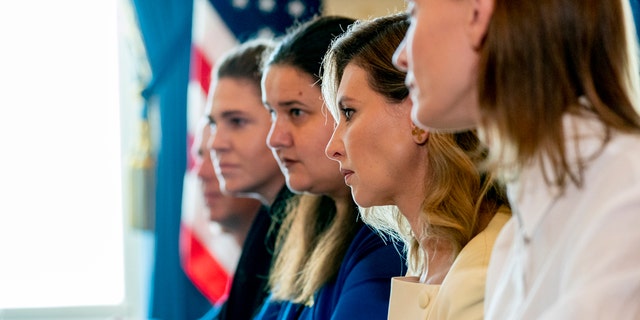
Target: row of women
(486,166)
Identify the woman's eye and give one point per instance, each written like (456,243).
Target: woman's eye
(347,112)
(295,112)
(237,122)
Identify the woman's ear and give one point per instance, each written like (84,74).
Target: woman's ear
(480,17)
(420,136)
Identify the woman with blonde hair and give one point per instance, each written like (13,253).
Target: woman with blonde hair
(449,210)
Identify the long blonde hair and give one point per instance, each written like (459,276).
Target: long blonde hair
(311,244)
(457,193)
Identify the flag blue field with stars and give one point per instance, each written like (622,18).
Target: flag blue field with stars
(249,18)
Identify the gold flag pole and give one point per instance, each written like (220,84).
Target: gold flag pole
(142,180)
(141,170)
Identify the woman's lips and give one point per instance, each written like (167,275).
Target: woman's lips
(347,174)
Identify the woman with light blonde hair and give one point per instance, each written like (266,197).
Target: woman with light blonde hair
(449,210)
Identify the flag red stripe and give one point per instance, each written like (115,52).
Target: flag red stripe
(200,68)
(207,274)
(191,162)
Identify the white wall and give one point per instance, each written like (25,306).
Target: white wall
(65,246)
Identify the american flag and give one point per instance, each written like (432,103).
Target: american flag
(219,25)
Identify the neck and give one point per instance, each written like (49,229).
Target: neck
(438,260)
(273,190)
(410,198)
(343,204)
(268,193)
(437,253)
(237,228)
(410,205)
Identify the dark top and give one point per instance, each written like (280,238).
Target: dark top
(361,289)
(249,288)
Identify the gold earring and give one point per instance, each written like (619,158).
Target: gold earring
(417,132)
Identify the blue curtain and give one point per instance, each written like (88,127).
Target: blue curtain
(635,7)
(166,30)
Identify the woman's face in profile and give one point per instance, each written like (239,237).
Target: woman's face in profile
(300,130)
(440,58)
(223,209)
(239,128)
(372,141)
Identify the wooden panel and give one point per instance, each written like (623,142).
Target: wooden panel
(363,9)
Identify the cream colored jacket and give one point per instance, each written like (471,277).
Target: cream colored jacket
(461,294)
